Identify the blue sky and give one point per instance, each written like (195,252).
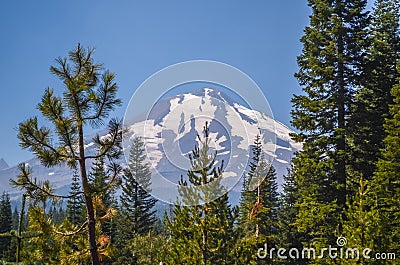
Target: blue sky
(135,39)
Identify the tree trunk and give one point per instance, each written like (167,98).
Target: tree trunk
(135,217)
(19,235)
(341,140)
(88,201)
(204,238)
(204,249)
(258,203)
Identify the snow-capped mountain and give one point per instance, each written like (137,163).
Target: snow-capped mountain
(170,133)
(170,130)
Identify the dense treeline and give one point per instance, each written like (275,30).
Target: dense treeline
(346,119)
(345,182)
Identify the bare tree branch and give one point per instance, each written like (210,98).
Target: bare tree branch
(73,232)
(29,184)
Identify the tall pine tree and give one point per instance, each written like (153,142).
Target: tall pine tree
(6,223)
(137,205)
(371,103)
(248,195)
(386,182)
(10,253)
(103,186)
(202,231)
(75,202)
(288,235)
(258,207)
(264,211)
(88,98)
(330,66)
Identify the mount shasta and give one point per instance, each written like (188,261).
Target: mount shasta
(170,133)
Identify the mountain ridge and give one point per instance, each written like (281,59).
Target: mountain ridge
(3,164)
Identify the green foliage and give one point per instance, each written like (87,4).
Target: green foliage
(136,202)
(57,215)
(103,188)
(74,247)
(257,222)
(245,251)
(202,233)
(136,218)
(5,224)
(317,216)
(73,241)
(75,202)
(288,235)
(264,212)
(248,193)
(386,184)
(103,185)
(145,249)
(362,224)
(371,104)
(43,248)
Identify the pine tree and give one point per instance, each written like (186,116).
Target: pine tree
(265,207)
(89,97)
(137,205)
(371,105)
(103,187)
(202,229)
(75,202)
(5,223)
(15,218)
(57,215)
(248,195)
(258,207)
(136,217)
(100,183)
(10,253)
(289,236)
(21,226)
(362,225)
(330,66)
(386,181)
(43,248)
